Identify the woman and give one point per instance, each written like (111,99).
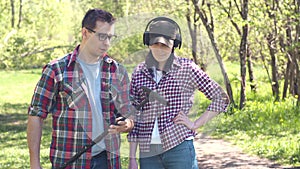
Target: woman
(165,133)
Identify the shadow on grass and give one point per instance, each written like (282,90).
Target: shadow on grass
(13,122)
(13,117)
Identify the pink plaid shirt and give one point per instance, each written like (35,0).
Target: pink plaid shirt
(177,86)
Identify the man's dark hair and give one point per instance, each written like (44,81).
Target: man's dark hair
(94,15)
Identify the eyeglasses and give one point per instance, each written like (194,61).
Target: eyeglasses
(103,36)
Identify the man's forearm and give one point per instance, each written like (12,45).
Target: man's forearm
(34,134)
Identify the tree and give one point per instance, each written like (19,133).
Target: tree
(289,43)
(209,26)
(20,14)
(35,32)
(12,4)
(272,9)
(193,29)
(244,50)
(229,10)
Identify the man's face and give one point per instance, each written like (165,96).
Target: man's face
(98,40)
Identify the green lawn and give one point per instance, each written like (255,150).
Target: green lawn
(15,95)
(263,127)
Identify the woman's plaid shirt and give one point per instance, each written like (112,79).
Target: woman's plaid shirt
(61,91)
(177,86)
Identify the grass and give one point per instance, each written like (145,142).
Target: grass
(266,129)
(15,95)
(263,127)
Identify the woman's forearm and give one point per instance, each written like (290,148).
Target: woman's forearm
(132,149)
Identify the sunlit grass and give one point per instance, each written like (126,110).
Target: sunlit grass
(16,91)
(264,127)
(267,129)
(15,94)
(17,86)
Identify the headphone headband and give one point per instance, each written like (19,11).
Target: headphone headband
(177,40)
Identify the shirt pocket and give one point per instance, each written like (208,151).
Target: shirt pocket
(73,96)
(106,94)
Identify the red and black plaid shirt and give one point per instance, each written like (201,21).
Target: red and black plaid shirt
(61,91)
(177,86)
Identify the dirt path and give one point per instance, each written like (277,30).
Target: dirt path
(219,154)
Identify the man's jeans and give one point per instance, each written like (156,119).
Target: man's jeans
(99,161)
(182,156)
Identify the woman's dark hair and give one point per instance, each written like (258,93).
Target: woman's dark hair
(94,15)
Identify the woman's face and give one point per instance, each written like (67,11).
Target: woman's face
(160,52)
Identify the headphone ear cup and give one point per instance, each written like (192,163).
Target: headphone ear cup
(146,38)
(177,41)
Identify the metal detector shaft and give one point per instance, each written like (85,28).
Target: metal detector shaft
(98,138)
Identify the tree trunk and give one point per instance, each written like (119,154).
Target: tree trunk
(243,55)
(292,79)
(272,50)
(243,52)
(297,51)
(20,15)
(202,50)
(272,8)
(12,13)
(193,34)
(286,79)
(250,69)
(265,66)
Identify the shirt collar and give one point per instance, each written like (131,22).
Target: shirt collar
(175,65)
(176,61)
(72,57)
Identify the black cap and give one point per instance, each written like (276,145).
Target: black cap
(163,32)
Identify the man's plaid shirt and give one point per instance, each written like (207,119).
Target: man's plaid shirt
(61,91)
(177,86)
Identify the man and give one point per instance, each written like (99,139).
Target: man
(165,133)
(86,92)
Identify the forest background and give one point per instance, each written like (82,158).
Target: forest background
(251,47)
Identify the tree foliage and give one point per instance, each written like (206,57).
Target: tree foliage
(35,32)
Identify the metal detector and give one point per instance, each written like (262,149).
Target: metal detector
(150,95)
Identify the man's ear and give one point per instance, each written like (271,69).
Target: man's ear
(84,33)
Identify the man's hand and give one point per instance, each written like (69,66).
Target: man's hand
(122,126)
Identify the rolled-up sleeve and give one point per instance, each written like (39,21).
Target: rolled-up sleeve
(133,134)
(42,99)
(211,89)
(120,91)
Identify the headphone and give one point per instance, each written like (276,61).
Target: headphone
(177,40)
